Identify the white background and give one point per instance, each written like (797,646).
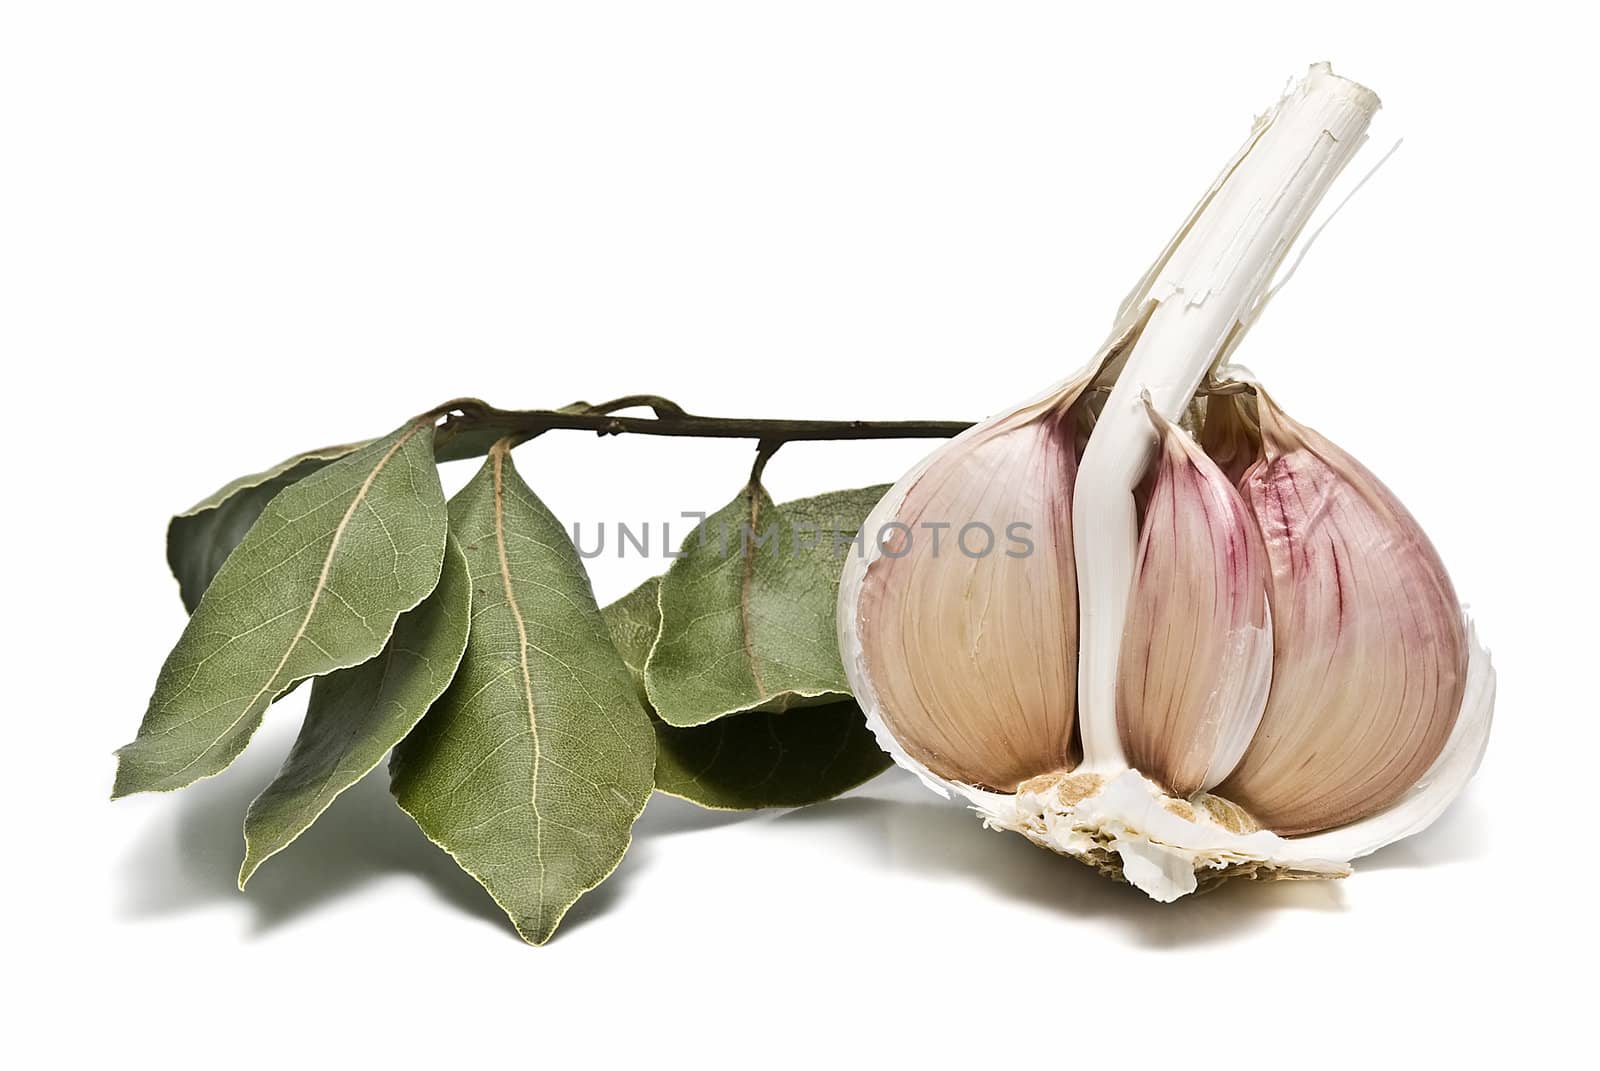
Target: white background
(235,231)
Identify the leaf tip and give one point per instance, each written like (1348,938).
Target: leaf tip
(122,784)
(535,931)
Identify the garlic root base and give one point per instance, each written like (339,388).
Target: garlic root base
(1127,828)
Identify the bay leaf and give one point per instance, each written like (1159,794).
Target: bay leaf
(532,767)
(747,624)
(200,538)
(357,715)
(315,585)
(751,760)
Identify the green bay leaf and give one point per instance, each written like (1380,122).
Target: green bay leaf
(200,538)
(750,760)
(748,610)
(532,767)
(315,585)
(357,715)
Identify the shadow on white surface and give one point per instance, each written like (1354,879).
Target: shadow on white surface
(1457,837)
(911,829)
(665,816)
(189,855)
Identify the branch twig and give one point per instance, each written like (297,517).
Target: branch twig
(471,426)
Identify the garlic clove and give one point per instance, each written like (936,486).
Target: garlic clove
(966,617)
(1370,647)
(1196,659)
(1425,801)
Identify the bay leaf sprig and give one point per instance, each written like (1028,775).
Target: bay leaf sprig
(463,640)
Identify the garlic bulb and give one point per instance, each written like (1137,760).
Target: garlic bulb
(1147,619)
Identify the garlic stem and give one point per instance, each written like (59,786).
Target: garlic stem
(1204,293)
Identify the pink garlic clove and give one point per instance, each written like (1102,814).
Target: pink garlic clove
(1370,649)
(1196,659)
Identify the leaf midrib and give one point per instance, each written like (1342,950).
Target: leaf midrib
(497,457)
(746,583)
